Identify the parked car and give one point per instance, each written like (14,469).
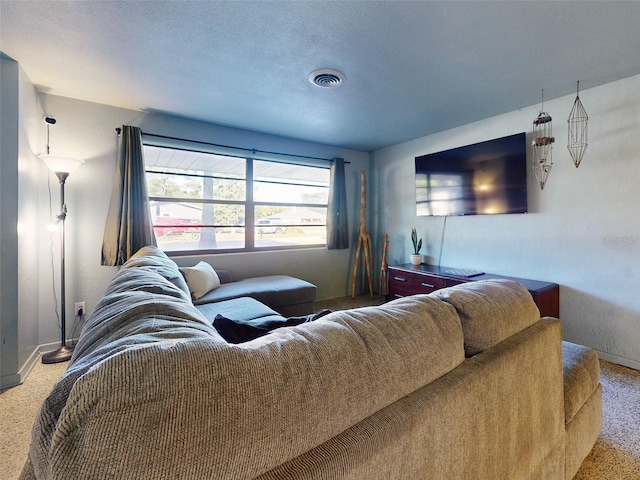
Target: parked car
(169,226)
(269,226)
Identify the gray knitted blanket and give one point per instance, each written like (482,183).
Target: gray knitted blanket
(140,307)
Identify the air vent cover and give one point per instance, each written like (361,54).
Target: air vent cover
(327,78)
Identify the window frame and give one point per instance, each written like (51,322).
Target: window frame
(249,203)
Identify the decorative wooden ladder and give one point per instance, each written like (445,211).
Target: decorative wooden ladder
(364,241)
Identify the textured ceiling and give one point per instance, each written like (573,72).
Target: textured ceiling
(412,68)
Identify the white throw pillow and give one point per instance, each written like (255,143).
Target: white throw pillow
(201,278)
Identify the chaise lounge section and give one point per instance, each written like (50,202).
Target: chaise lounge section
(287,295)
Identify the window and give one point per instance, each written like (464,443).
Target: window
(206,202)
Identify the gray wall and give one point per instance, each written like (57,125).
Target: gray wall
(30,260)
(9,81)
(21,227)
(583,229)
(87,131)
(31,226)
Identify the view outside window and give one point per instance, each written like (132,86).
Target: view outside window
(290,203)
(205,202)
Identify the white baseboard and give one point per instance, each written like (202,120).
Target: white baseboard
(30,363)
(626,362)
(32,360)
(19,377)
(50,347)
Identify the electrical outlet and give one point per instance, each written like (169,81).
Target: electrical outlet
(80,309)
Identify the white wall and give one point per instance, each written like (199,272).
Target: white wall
(583,229)
(87,131)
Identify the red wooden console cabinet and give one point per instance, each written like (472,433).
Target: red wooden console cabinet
(407,279)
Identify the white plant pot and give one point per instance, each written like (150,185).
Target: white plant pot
(416,259)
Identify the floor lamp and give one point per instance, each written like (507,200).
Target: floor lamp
(62,168)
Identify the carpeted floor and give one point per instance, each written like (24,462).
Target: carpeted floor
(616,455)
(345,303)
(18,408)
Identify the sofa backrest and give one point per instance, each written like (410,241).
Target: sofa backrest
(153,259)
(202,408)
(224,275)
(490,311)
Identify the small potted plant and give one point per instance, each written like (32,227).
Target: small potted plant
(416,257)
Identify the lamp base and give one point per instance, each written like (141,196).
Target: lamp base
(57,356)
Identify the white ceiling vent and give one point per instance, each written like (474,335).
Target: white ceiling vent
(327,78)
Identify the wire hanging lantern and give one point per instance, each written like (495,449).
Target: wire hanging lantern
(577,131)
(541,146)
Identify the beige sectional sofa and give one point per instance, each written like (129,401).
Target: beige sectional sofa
(373,393)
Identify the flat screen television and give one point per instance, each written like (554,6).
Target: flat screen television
(484,178)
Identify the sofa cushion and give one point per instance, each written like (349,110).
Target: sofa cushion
(490,311)
(201,278)
(241,309)
(272,290)
(581,370)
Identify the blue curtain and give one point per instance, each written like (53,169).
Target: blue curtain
(337,221)
(128,227)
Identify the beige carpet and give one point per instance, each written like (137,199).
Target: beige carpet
(616,455)
(18,409)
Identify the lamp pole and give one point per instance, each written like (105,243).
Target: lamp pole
(62,167)
(65,352)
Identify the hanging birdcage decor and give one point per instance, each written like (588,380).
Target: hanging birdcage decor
(541,146)
(578,120)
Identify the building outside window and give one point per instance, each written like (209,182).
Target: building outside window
(203,202)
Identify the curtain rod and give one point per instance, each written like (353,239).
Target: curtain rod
(252,150)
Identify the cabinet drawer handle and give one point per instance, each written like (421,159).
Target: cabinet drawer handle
(400,279)
(428,285)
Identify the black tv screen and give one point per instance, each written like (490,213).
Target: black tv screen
(484,178)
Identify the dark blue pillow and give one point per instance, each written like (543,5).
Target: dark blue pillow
(236,331)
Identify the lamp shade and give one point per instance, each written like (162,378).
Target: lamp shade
(61,164)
